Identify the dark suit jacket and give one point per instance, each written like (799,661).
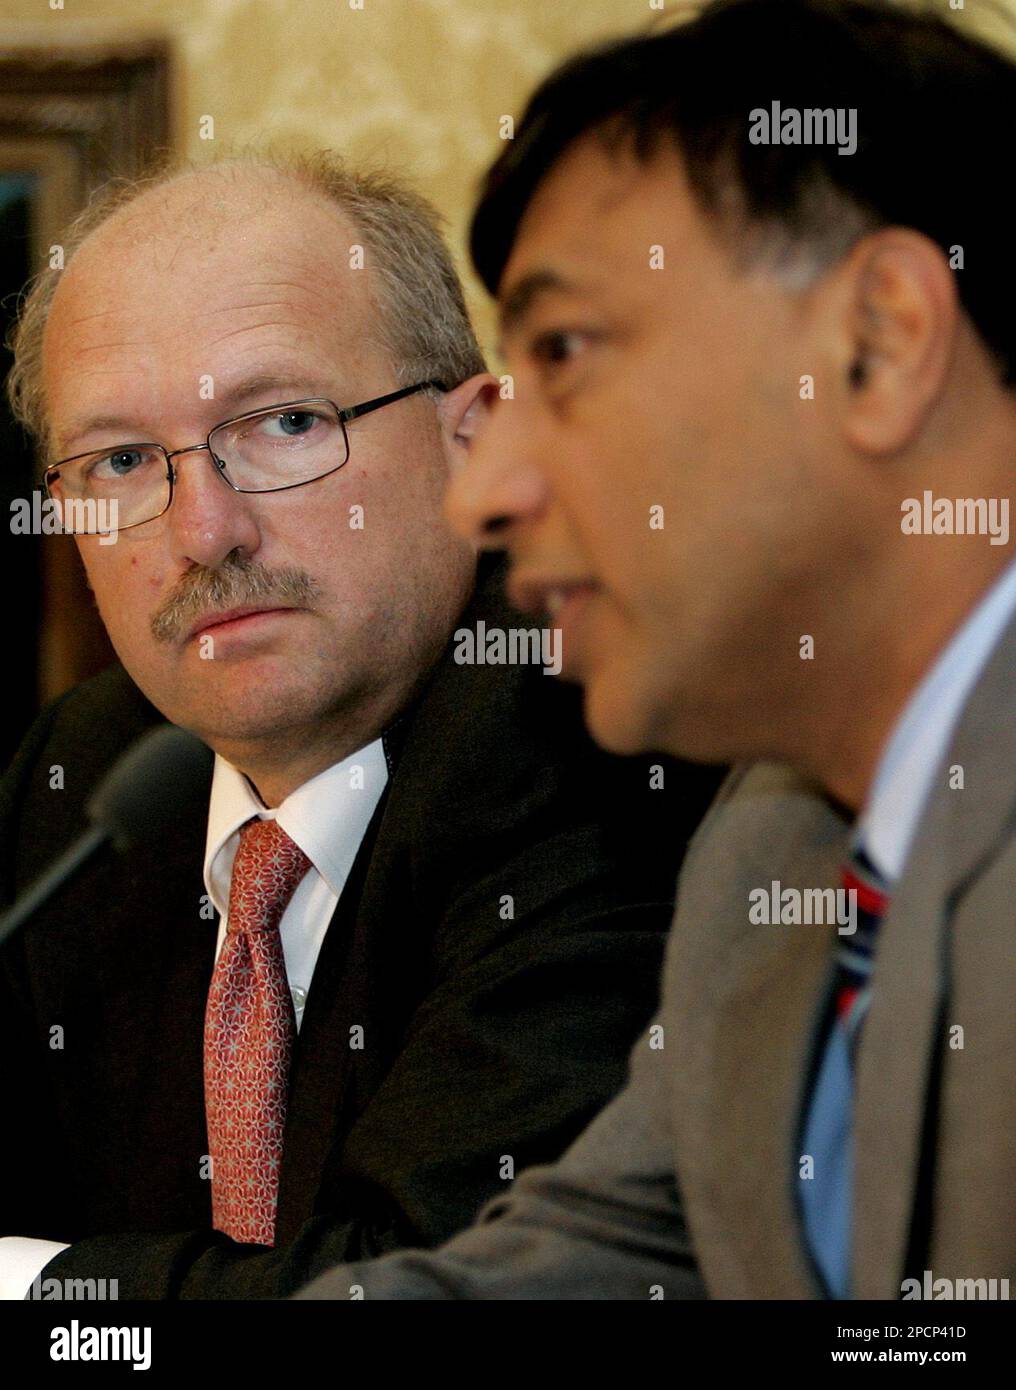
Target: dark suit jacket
(485,1038)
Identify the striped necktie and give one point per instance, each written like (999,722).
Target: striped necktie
(826,1196)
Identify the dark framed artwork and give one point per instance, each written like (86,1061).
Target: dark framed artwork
(72,116)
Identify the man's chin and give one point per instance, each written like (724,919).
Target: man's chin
(246,708)
(615,716)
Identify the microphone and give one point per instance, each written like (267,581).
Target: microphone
(135,801)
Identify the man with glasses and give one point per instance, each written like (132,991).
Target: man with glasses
(440,910)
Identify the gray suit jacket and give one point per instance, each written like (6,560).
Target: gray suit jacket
(698,1155)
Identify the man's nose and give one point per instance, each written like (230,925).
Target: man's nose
(207,519)
(501,485)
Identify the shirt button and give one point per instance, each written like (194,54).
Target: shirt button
(299,997)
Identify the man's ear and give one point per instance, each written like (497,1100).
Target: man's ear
(462,410)
(901,318)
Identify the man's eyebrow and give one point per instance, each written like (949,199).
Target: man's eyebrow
(284,386)
(520,298)
(91,424)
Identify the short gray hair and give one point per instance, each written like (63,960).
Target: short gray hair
(422,321)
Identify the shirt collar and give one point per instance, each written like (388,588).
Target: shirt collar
(326,816)
(920,738)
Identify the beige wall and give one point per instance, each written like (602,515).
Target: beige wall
(421,84)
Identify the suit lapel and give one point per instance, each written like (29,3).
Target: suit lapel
(322,1060)
(960,828)
(773,997)
(896,1049)
(370,969)
(153,987)
(748,1000)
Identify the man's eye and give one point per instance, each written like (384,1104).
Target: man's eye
(290,424)
(117,464)
(556,346)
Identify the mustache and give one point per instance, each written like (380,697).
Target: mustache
(231,585)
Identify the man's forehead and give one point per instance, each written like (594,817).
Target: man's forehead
(589,216)
(177,245)
(226,194)
(256,267)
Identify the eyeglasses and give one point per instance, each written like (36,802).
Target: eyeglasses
(271,450)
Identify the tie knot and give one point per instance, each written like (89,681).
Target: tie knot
(266,871)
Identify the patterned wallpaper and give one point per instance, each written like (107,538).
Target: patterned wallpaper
(418,84)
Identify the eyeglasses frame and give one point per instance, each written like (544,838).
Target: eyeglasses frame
(344,413)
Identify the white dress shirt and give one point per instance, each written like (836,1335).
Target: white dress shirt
(328,818)
(913,752)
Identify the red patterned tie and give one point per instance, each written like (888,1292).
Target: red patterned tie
(249,1032)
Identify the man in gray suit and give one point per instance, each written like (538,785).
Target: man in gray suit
(759,467)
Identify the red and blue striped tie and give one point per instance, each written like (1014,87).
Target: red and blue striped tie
(826,1195)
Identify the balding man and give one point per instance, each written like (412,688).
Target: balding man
(403,941)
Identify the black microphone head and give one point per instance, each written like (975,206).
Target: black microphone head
(139,797)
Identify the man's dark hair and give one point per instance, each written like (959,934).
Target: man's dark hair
(935,113)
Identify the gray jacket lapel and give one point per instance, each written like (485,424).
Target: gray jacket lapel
(747,1000)
(959,829)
